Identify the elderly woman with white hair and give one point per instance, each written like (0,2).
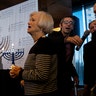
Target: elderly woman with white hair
(40,69)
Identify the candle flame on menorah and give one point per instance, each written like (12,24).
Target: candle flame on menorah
(9,54)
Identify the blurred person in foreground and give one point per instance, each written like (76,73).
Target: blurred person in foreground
(66,41)
(89,57)
(40,69)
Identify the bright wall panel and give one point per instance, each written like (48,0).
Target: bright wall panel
(13,30)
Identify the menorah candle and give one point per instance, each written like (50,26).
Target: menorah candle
(13,54)
(12,50)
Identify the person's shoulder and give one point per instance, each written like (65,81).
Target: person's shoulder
(46,45)
(88,45)
(45,40)
(54,33)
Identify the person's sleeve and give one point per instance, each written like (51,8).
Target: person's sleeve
(69,58)
(41,71)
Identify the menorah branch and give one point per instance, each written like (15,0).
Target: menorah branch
(13,55)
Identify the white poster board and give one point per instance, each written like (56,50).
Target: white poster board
(13,30)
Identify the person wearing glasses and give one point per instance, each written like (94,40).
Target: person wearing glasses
(66,41)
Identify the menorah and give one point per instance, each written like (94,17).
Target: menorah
(13,55)
(4,44)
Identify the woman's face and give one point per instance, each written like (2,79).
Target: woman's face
(33,24)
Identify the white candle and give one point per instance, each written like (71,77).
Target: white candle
(2,49)
(12,45)
(12,50)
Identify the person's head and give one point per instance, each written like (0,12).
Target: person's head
(67,25)
(40,22)
(92,26)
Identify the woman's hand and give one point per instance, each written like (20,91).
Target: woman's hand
(14,71)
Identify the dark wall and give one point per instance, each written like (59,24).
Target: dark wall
(57,8)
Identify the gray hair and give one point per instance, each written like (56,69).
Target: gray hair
(46,22)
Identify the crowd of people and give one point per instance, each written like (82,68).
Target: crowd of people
(49,68)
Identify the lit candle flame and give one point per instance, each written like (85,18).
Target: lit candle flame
(12,45)
(12,50)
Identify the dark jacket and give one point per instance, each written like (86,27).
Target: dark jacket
(40,69)
(89,56)
(66,69)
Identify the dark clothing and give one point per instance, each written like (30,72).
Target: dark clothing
(40,69)
(9,86)
(89,57)
(46,94)
(66,69)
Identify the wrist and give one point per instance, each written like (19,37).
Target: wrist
(66,39)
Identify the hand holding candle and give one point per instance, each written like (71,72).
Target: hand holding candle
(14,71)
